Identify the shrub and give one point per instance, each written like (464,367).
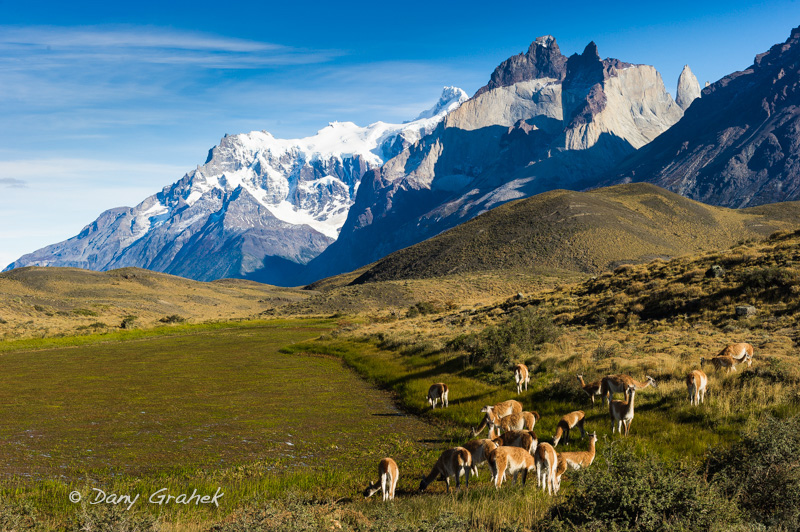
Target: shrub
(84,312)
(640,493)
(522,331)
(604,351)
(423,308)
(761,473)
(174,318)
(127,322)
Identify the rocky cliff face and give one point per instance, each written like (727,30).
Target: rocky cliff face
(688,88)
(258,208)
(542,60)
(513,139)
(739,144)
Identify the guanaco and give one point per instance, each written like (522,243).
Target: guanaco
(479,451)
(622,411)
(452,462)
(611,384)
(741,352)
(493,415)
(591,389)
(696,383)
(719,362)
(521,421)
(388,473)
(438,391)
(505,461)
(546,463)
(576,460)
(567,423)
(524,439)
(521,377)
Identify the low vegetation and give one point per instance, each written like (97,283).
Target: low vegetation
(729,464)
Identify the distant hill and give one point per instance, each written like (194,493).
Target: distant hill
(38,301)
(582,231)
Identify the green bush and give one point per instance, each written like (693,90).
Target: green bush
(128,322)
(84,312)
(761,473)
(174,318)
(496,343)
(626,491)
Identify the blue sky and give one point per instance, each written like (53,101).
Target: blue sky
(102,105)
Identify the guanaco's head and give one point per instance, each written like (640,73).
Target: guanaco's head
(486,409)
(594,437)
(651,380)
(372,489)
(422,484)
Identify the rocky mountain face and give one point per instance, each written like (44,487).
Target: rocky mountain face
(542,122)
(258,208)
(738,145)
(688,88)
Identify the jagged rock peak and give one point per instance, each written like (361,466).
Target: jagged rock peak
(542,60)
(688,88)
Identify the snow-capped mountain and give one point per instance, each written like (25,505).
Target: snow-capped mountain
(257,207)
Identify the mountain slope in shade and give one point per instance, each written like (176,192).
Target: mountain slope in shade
(738,145)
(518,136)
(582,231)
(257,208)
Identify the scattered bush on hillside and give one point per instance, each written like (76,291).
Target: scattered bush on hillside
(604,351)
(2,321)
(95,325)
(625,491)
(771,283)
(761,473)
(84,312)
(496,344)
(128,322)
(423,308)
(174,318)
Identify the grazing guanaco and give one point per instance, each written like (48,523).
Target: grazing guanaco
(388,473)
(611,384)
(521,421)
(719,362)
(452,462)
(696,383)
(438,391)
(622,411)
(479,451)
(567,423)
(521,377)
(575,460)
(505,461)
(494,413)
(524,439)
(741,352)
(591,389)
(546,463)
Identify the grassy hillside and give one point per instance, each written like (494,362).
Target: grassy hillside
(37,302)
(581,232)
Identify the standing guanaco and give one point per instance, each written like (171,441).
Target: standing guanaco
(479,451)
(521,377)
(438,391)
(494,413)
(388,473)
(591,389)
(567,423)
(452,462)
(696,383)
(513,461)
(622,411)
(546,463)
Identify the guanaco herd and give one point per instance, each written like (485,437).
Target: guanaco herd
(513,448)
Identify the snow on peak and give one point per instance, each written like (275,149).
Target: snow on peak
(311,180)
(450,100)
